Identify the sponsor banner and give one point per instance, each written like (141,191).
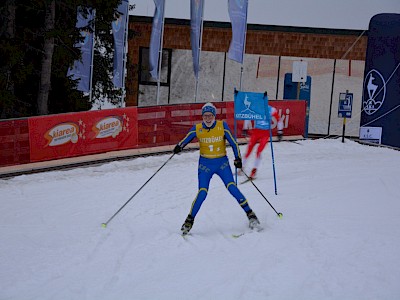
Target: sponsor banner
(238,14)
(250,106)
(14,142)
(82,68)
(196,19)
(156,36)
(76,134)
(292,113)
(371,134)
(119,33)
(381,90)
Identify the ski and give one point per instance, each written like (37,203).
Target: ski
(247,180)
(254,230)
(185,234)
(295,142)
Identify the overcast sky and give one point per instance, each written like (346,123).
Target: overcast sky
(339,14)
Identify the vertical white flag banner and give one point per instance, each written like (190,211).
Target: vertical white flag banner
(238,14)
(196,19)
(156,35)
(82,68)
(119,29)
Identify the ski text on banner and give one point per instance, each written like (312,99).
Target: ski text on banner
(250,106)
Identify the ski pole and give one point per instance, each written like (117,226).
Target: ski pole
(104,225)
(273,159)
(280,215)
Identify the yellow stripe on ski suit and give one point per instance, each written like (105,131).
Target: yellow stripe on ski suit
(198,192)
(232,183)
(231,138)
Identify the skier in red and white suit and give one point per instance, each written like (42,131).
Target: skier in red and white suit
(260,134)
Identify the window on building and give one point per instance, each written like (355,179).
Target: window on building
(144,72)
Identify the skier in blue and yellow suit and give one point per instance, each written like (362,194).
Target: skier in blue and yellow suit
(211,135)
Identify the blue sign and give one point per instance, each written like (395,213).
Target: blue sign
(345,105)
(250,106)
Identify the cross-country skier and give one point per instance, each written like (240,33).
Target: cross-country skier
(211,135)
(260,134)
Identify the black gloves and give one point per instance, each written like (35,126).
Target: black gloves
(280,135)
(177,149)
(238,163)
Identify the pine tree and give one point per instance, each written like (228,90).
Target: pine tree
(37,41)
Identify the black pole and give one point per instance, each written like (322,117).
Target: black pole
(223,77)
(104,225)
(344,128)
(333,84)
(344,121)
(277,82)
(280,215)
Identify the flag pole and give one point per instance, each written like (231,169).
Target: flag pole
(123,96)
(160,56)
(91,63)
(241,75)
(241,67)
(198,59)
(246,122)
(244,48)
(268,113)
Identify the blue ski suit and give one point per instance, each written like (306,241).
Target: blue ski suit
(213,160)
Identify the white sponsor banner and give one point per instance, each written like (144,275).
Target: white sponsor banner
(371,134)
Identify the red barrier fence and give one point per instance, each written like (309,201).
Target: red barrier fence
(166,125)
(75,134)
(14,142)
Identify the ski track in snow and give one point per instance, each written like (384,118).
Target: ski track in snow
(338,239)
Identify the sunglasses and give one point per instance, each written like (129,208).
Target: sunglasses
(208,116)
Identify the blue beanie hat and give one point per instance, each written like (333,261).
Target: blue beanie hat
(209,107)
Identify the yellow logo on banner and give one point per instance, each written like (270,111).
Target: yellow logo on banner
(62,134)
(110,126)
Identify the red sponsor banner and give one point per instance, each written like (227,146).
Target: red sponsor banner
(168,124)
(14,142)
(292,113)
(76,134)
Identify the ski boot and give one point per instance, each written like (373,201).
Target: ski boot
(187,225)
(254,223)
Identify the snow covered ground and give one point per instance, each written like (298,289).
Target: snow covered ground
(339,237)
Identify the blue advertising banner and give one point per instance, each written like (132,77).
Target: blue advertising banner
(381,91)
(238,14)
(156,36)
(82,68)
(119,27)
(196,19)
(250,106)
